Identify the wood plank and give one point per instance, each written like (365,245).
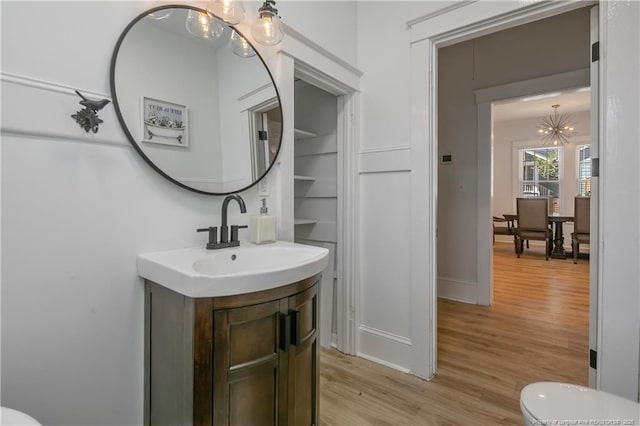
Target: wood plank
(536,330)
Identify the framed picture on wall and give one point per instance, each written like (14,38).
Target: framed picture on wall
(164,122)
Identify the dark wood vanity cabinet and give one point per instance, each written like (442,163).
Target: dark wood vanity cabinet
(250,359)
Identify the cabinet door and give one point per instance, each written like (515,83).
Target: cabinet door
(249,371)
(303,358)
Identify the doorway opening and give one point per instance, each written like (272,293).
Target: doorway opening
(469,181)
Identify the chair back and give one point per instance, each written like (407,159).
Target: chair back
(533,214)
(582,215)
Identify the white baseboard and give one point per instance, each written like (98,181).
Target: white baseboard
(458,290)
(382,362)
(384,348)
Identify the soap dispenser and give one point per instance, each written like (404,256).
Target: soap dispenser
(263,226)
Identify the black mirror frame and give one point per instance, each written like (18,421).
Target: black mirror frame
(132,140)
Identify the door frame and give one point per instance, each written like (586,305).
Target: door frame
(347,264)
(302,58)
(454,24)
(484,100)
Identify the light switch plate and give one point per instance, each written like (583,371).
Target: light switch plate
(263,188)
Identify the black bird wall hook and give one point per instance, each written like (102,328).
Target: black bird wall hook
(87,117)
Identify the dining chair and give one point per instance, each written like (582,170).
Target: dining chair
(533,223)
(581,224)
(502,230)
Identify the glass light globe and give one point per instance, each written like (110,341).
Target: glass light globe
(160,14)
(230,11)
(241,46)
(200,24)
(267,30)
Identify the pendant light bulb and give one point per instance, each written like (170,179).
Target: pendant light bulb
(200,24)
(230,11)
(160,14)
(241,46)
(267,30)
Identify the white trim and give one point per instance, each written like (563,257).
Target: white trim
(595,274)
(383,362)
(442,11)
(347,247)
(258,100)
(48,85)
(395,350)
(322,69)
(291,33)
(386,149)
(484,98)
(424,178)
(458,290)
(534,86)
(338,77)
(386,335)
(383,160)
(485,17)
(484,203)
(56,124)
(464,23)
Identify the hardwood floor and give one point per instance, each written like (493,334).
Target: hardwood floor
(536,330)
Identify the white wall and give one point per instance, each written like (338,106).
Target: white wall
(143,70)
(385,233)
(76,210)
(496,59)
(331,24)
(619,298)
(508,138)
(238,80)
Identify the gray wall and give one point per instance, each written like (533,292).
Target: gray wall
(554,45)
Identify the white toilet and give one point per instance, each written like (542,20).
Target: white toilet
(549,403)
(11,417)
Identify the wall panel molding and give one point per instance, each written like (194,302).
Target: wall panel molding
(386,159)
(50,117)
(439,12)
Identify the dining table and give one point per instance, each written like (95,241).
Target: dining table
(556,219)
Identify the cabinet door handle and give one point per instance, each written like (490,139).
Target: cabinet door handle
(285,332)
(295,328)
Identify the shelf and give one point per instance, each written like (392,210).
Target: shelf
(305,178)
(301,221)
(301,134)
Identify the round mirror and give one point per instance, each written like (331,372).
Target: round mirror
(196,100)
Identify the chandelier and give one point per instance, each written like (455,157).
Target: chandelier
(555,129)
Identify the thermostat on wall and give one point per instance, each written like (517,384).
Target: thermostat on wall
(446,159)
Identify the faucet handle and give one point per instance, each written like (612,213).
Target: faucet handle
(234,231)
(213,235)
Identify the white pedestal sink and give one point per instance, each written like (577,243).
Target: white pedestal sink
(197,272)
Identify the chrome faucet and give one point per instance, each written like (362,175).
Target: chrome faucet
(225,241)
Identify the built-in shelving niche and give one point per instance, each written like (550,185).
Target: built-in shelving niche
(316,189)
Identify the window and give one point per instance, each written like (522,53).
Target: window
(540,173)
(584,170)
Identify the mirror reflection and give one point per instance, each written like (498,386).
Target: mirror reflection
(196,100)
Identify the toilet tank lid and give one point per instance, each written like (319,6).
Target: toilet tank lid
(548,401)
(11,417)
